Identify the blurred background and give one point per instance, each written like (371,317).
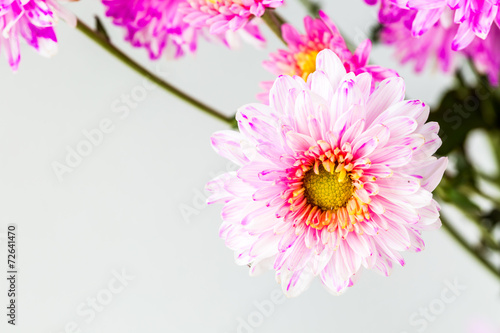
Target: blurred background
(121,240)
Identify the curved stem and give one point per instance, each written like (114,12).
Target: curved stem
(108,46)
(312,7)
(466,246)
(274,22)
(473,188)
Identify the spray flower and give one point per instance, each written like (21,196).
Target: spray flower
(34,21)
(333,176)
(300,56)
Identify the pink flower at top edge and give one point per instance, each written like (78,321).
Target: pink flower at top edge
(478,325)
(474,18)
(157,25)
(224,17)
(484,55)
(437,42)
(300,57)
(332,177)
(34,21)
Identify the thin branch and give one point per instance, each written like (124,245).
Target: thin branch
(312,7)
(274,22)
(108,46)
(466,246)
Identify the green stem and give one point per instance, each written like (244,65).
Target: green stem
(312,7)
(458,197)
(108,46)
(274,22)
(475,189)
(466,246)
(494,139)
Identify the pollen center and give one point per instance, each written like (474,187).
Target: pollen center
(306,61)
(327,190)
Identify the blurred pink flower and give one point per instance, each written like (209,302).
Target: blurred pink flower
(157,25)
(481,326)
(300,57)
(437,42)
(333,176)
(34,21)
(485,55)
(474,18)
(224,17)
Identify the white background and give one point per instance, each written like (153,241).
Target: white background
(120,209)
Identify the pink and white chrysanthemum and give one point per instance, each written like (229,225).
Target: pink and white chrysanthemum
(473,17)
(34,21)
(157,25)
(332,177)
(224,17)
(300,57)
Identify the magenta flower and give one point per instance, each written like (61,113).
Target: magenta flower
(300,57)
(438,42)
(473,17)
(34,21)
(484,55)
(332,177)
(223,17)
(157,25)
(481,326)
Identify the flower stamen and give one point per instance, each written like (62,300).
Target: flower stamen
(325,189)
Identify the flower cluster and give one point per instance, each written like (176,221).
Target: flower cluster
(34,21)
(333,176)
(174,25)
(157,25)
(300,57)
(473,17)
(422,30)
(224,17)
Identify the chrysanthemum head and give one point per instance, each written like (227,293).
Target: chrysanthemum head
(446,41)
(472,18)
(34,21)
(225,17)
(321,33)
(306,63)
(333,176)
(157,25)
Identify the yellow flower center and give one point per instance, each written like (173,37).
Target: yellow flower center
(306,61)
(328,190)
(238,2)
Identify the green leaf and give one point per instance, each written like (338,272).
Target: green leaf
(99,27)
